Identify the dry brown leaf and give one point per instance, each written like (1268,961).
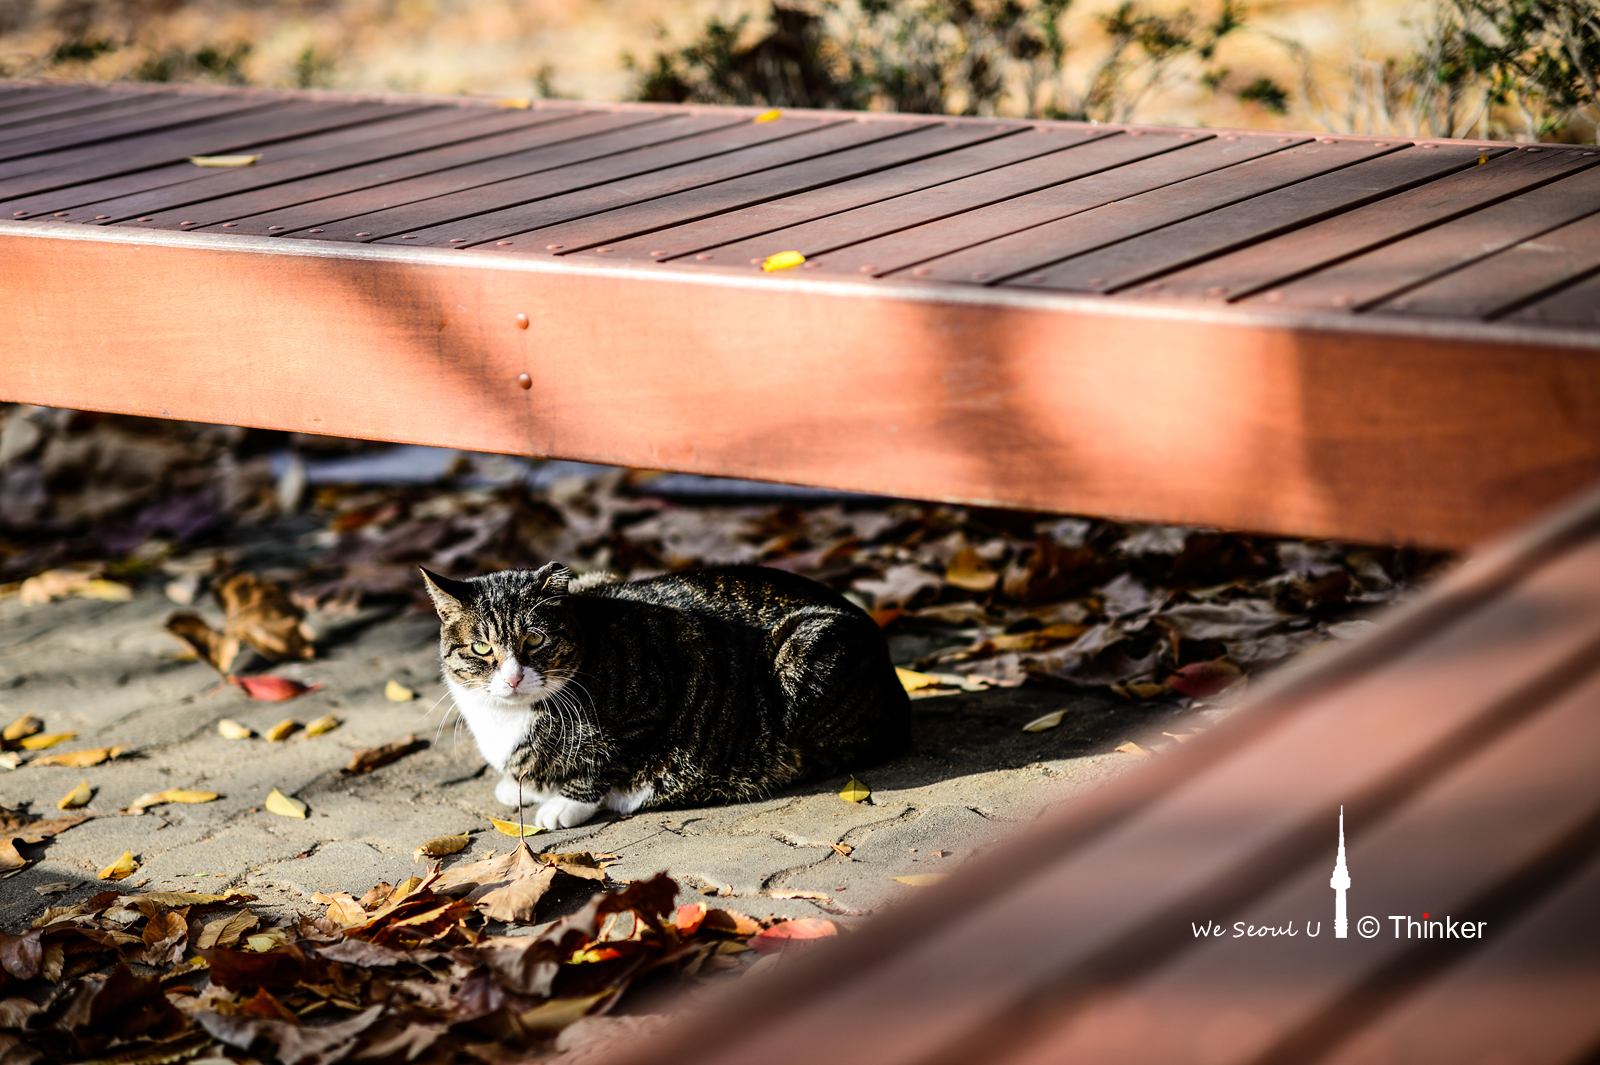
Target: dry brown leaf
(120,869)
(284,806)
(799,895)
(225,931)
(15,824)
(844,849)
(78,796)
(42,740)
(23,727)
(343,910)
(190,898)
(261,615)
(396,692)
(229,729)
(517,901)
(920,879)
(548,1018)
(1046,721)
(968,570)
(60,583)
(377,757)
(1133,748)
(81,759)
(184,795)
(210,646)
(443,845)
(9,858)
(280,732)
(326,723)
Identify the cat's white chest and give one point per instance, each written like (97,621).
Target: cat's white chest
(499,731)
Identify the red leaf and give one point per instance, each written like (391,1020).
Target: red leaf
(1200,679)
(790,934)
(689,918)
(270,689)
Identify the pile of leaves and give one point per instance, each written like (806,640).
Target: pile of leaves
(419,972)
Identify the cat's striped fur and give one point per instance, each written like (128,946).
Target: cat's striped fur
(704,686)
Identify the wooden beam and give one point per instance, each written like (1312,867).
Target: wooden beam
(1293,423)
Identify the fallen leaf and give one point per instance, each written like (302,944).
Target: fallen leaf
(15,824)
(78,796)
(21,728)
(9,858)
(515,103)
(261,615)
(377,757)
(232,730)
(1203,679)
(326,723)
(969,571)
(788,934)
(920,879)
(844,849)
(1135,689)
(120,869)
(183,795)
(768,116)
(10,760)
(443,845)
(689,917)
(783,260)
(516,902)
(226,931)
(268,688)
(343,910)
(799,895)
(80,759)
(548,1018)
(262,943)
(165,936)
(855,791)
(209,645)
(911,680)
(44,739)
(511,828)
(284,806)
(1133,748)
(190,898)
(396,692)
(733,921)
(60,583)
(1047,721)
(59,888)
(280,732)
(223,160)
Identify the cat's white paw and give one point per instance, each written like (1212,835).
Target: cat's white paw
(505,793)
(562,812)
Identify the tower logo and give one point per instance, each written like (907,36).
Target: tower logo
(1340,883)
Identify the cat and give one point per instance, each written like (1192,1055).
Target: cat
(713,685)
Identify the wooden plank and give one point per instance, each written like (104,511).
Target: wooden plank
(1517,275)
(395,121)
(24,102)
(1253,270)
(1529,995)
(162,113)
(218,137)
(1384,274)
(118,108)
(1252,221)
(52,106)
(274,185)
(1026,251)
(603,186)
(1577,305)
(1235,421)
(1121,901)
(395,208)
(746,190)
(854,193)
(908,228)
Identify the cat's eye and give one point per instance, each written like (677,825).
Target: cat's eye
(533,639)
(481,648)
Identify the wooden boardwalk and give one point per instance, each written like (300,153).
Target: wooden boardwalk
(1347,336)
(1459,739)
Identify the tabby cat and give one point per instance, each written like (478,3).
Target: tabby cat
(706,686)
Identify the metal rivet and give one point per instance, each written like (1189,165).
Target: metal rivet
(1381,144)
(811,264)
(229,225)
(1274,296)
(1036,277)
(316,231)
(524,380)
(18,214)
(1327,142)
(1285,140)
(658,253)
(103,217)
(980,275)
(1534,149)
(1097,281)
(363,234)
(757,262)
(603,251)
(1230,138)
(270,228)
(702,258)
(554,247)
(458,240)
(1185,135)
(1215,290)
(501,243)
(192,223)
(922,271)
(63,214)
(1342,301)
(408,236)
(1430,146)
(144,219)
(868,268)
(521,320)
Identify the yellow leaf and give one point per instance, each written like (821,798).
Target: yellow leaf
(110,591)
(510,828)
(80,759)
(1483,158)
(326,723)
(515,103)
(911,680)
(921,879)
(120,869)
(783,260)
(22,727)
(232,730)
(1048,721)
(855,791)
(223,160)
(193,898)
(967,570)
(46,739)
(262,943)
(768,116)
(438,848)
(342,909)
(1133,748)
(396,692)
(157,798)
(281,730)
(78,796)
(283,806)
(550,1017)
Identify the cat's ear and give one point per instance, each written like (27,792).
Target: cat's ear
(552,578)
(449,597)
